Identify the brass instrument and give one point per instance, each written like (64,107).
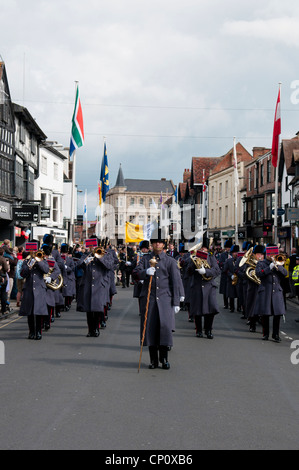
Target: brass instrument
(98,253)
(35,258)
(235,280)
(279,260)
(57,283)
(199,262)
(250,270)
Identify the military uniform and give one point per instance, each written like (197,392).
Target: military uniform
(34,301)
(203,295)
(95,289)
(164,296)
(270,301)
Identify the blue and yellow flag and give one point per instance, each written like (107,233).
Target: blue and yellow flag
(104,175)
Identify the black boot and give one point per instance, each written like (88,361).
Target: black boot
(153,351)
(164,357)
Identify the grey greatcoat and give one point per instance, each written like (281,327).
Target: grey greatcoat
(69,280)
(34,290)
(223,278)
(167,287)
(203,293)
(269,299)
(55,271)
(229,269)
(95,284)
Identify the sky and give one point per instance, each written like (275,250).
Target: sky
(161,81)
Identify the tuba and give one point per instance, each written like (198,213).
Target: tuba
(250,270)
(199,262)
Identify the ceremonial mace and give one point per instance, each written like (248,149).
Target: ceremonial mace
(153,263)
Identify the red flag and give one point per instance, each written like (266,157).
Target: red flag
(204,186)
(276,132)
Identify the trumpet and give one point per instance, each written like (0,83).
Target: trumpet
(98,253)
(279,260)
(35,258)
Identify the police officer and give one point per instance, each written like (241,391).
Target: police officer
(164,300)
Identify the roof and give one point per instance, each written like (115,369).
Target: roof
(288,146)
(149,186)
(31,124)
(201,168)
(227,160)
(120,181)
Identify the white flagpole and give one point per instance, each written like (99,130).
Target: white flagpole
(276,180)
(236,192)
(85,212)
(73,199)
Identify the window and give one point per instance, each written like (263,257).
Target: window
(55,210)
(220,216)
(6,176)
(55,171)
(249,180)
(269,171)
(44,165)
(132,201)
(141,202)
(226,188)
(220,190)
(262,174)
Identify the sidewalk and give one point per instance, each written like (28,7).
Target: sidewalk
(13,309)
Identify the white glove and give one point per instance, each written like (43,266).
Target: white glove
(48,279)
(272,265)
(65,266)
(201,270)
(141,282)
(150,271)
(88,259)
(128,263)
(233,276)
(176,309)
(182,299)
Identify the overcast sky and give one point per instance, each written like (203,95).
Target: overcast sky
(162,81)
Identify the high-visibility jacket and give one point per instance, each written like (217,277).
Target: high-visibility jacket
(295,275)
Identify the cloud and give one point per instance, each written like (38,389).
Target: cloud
(281,30)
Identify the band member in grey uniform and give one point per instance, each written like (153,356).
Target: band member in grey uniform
(34,303)
(95,288)
(203,291)
(270,300)
(164,301)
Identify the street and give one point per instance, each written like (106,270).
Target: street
(71,392)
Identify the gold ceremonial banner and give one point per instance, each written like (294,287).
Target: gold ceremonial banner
(134,233)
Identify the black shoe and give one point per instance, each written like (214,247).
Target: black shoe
(165,365)
(209,335)
(96,333)
(265,337)
(38,336)
(232,310)
(252,330)
(103,324)
(199,334)
(297,320)
(31,336)
(153,365)
(276,338)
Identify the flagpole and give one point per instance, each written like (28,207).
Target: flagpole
(236,192)
(85,208)
(276,181)
(73,199)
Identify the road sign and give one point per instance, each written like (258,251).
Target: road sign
(280,211)
(293,213)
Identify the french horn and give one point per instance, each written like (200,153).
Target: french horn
(250,270)
(199,262)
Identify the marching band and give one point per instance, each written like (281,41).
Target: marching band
(163,284)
